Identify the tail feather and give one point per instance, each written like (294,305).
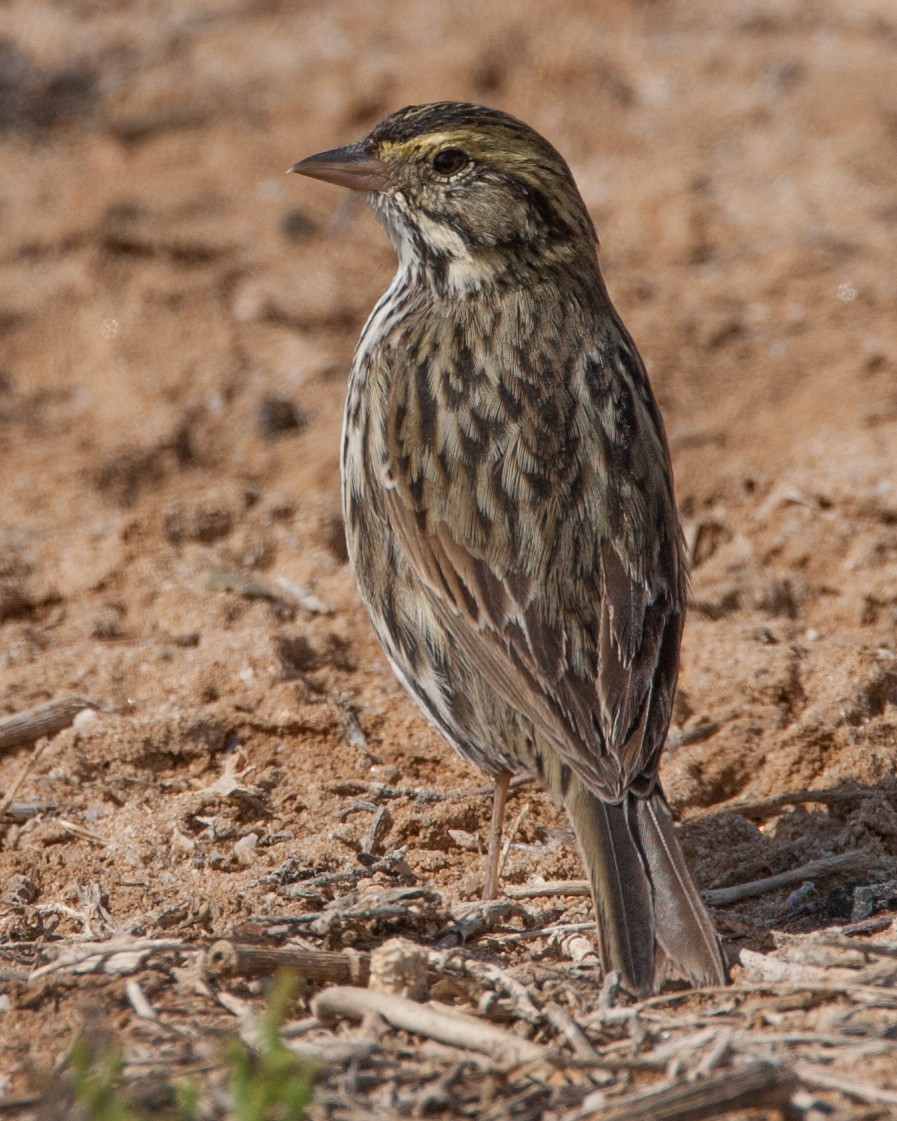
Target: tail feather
(648,909)
(621,889)
(685,931)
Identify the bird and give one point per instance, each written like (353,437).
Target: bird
(509,508)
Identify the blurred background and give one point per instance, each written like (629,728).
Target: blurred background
(177,316)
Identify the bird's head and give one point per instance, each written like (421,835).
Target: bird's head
(466,192)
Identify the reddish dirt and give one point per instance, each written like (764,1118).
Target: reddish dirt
(177,317)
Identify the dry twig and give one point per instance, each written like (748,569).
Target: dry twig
(720,896)
(118,955)
(81,831)
(390,863)
(472,920)
(279,591)
(688,736)
(563,1022)
(827,866)
(759,808)
(549,890)
(227,959)
(489,976)
(831,1080)
(24,771)
(431,1020)
(512,833)
(23,728)
(754,1084)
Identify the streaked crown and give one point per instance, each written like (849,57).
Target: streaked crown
(456,183)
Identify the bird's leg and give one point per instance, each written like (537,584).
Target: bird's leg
(499,798)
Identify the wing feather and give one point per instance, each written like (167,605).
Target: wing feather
(586,646)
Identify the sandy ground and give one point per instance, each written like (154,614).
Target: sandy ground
(176,321)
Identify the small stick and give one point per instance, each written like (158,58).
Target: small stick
(36,725)
(561,932)
(677,1048)
(138,1001)
(357,786)
(767,807)
(430,1020)
(47,719)
(94,957)
(13,1105)
(874,997)
(718,896)
(351,875)
(716,1054)
(80,831)
(472,920)
(548,890)
(243,585)
(421,794)
(561,1020)
(754,1084)
(688,736)
(21,811)
(493,976)
(506,850)
(304,598)
(831,1080)
(867,926)
(772,968)
(872,949)
(844,862)
(379,822)
(224,958)
(24,771)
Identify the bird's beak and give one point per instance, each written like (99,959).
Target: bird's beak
(354,166)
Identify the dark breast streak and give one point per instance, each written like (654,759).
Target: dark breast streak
(484,473)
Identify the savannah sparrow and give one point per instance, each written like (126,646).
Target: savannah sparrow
(509,508)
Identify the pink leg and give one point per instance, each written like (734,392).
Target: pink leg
(499,798)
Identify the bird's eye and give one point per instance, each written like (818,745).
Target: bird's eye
(449,160)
